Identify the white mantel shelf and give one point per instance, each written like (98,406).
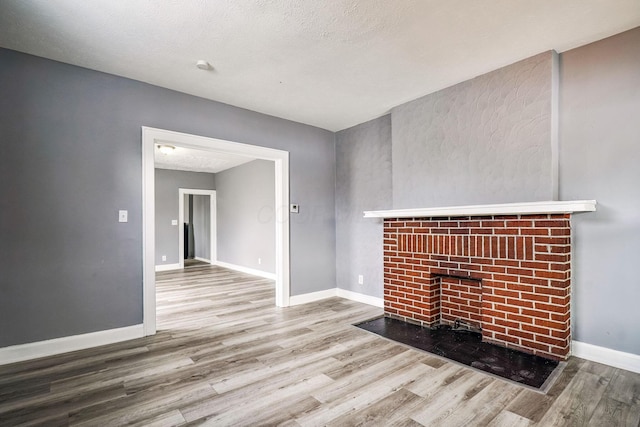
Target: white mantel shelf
(529,208)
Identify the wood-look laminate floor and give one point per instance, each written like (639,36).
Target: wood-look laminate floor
(224,355)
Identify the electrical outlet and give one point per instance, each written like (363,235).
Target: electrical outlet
(360,279)
(123,216)
(259,260)
(164,257)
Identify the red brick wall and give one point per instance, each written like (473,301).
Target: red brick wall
(522,261)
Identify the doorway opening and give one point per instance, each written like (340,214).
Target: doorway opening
(196,226)
(152,137)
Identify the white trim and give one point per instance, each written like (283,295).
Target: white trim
(148,233)
(529,208)
(151,136)
(282,229)
(356,296)
(336,292)
(615,358)
(312,297)
(167,267)
(34,350)
(199,258)
(213,219)
(247,270)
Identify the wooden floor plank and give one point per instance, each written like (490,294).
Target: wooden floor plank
(509,419)
(351,399)
(440,406)
(577,403)
(613,413)
(481,404)
(266,386)
(224,354)
(392,408)
(625,387)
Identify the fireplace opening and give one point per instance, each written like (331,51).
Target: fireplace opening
(460,303)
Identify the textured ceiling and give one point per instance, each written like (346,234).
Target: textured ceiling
(188,159)
(332,64)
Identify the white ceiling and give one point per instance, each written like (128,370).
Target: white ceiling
(189,159)
(328,63)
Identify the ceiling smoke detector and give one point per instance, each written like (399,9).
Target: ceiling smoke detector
(166,148)
(203,65)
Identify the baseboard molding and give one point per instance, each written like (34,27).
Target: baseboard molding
(208,261)
(336,292)
(615,358)
(167,267)
(355,296)
(312,297)
(35,350)
(247,270)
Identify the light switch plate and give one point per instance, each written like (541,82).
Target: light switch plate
(174,222)
(123,216)
(295,208)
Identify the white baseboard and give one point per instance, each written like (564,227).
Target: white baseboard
(312,297)
(208,261)
(167,267)
(247,270)
(365,299)
(336,292)
(35,350)
(615,358)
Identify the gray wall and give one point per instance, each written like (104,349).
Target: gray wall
(363,182)
(202,226)
(168,182)
(246,224)
(599,159)
(486,140)
(72,158)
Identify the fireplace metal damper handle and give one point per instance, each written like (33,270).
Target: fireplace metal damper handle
(460,325)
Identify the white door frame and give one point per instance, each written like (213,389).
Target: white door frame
(213,247)
(151,137)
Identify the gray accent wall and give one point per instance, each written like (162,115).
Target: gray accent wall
(168,182)
(363,182)
(599,159)
(486,140)
(71,140)
(246,226)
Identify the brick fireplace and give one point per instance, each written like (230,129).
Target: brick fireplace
(504,270)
